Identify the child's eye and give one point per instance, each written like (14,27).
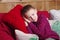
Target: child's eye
(32,14)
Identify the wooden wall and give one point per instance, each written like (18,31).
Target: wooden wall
(39,4)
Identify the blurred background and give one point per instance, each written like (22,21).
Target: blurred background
(7,5)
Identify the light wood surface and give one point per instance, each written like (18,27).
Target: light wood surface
(6,6)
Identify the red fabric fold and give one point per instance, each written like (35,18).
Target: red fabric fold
(14,18)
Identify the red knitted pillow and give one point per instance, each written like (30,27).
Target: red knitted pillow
(14,18)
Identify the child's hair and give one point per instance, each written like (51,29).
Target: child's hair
(26,8)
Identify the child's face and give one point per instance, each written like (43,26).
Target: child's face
(31,15)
